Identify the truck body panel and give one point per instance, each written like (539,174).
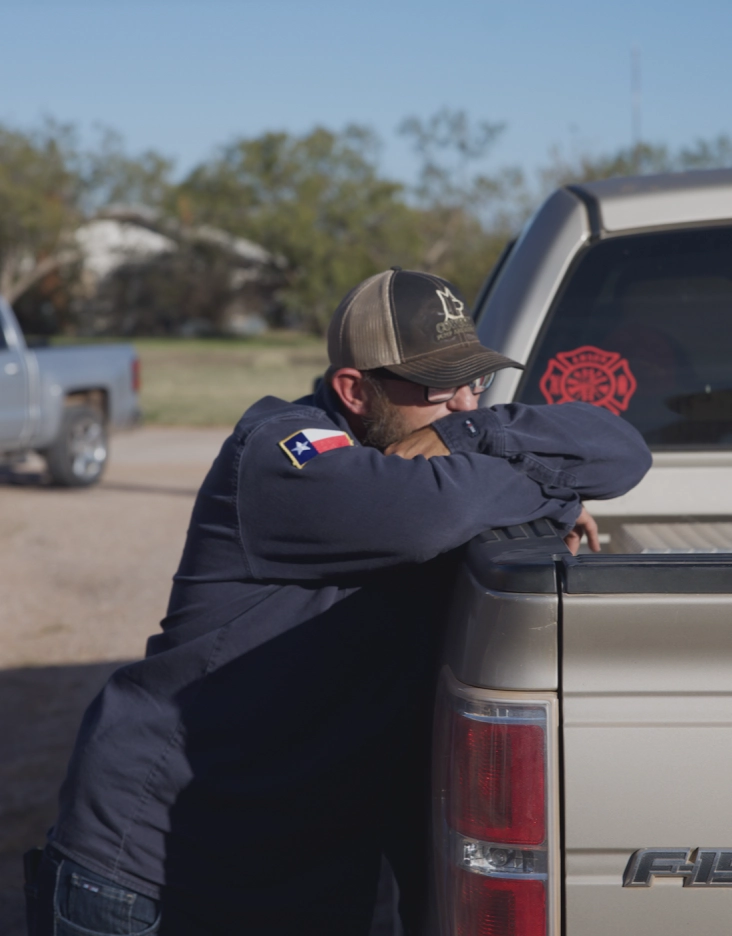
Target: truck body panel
(15,411)
(647,739)
(618,292)
(671,199)
(643,743)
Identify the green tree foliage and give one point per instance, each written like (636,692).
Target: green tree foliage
(317,200)
(49,184)
(642,159)
(39,194)
(111,176)
(466,215)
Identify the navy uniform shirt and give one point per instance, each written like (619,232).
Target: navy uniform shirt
(273,713)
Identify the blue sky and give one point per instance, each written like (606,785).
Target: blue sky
(182,76)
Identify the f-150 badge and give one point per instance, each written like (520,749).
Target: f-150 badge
(698,867)
(590,375)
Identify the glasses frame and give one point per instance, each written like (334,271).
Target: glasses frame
(440,394)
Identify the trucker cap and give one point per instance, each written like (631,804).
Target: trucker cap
(414,324)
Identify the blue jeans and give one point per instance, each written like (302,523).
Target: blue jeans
(72,901)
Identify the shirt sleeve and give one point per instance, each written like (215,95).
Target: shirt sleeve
(573,447)
(352,510)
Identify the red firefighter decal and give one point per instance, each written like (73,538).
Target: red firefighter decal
(591,375)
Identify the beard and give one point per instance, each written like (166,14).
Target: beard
(384,424)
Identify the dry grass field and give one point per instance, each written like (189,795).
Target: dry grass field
(212,382)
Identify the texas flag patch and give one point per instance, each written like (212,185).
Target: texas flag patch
(304,445)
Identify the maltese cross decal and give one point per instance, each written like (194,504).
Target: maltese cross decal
(590,375)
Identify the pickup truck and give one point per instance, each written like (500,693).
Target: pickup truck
(60,402)
(583,724)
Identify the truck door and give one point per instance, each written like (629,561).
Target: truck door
(13,395)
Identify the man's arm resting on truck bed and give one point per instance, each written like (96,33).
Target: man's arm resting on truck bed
(573,447)
(353,509)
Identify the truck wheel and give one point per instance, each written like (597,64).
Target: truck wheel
(78,455)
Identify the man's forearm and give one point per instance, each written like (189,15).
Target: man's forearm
(574,447)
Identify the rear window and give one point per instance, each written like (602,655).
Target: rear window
(643,327)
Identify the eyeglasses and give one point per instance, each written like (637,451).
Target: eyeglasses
(443,394)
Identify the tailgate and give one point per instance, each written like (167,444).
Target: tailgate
(646,698)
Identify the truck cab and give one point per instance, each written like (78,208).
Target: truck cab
(619,293)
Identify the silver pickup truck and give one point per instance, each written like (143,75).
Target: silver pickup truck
(584,715)
(60,402)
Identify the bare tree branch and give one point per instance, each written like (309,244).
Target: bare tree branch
(12,287)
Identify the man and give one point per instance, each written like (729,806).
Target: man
(247,775)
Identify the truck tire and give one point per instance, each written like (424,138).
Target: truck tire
(78,455)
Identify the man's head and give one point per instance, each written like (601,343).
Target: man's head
(404,352)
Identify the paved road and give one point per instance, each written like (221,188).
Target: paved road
(85,580)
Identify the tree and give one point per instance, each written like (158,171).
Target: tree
(39,195)
(49,185)
(110,176)
(447,143)
(317,200)
(642,159)
(467,215)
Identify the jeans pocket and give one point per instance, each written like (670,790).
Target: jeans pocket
(88,906)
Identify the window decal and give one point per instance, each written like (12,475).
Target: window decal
(591,375)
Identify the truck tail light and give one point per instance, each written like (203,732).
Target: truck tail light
(489,906)
(497,780)
(491,830)
(135,375)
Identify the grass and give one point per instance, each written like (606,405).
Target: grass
(210,382)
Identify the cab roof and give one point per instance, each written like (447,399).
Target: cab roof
(673,198)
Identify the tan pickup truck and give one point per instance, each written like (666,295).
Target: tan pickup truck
(583,736)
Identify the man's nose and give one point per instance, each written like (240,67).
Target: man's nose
(463,400)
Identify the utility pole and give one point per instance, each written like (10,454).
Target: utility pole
(635,91)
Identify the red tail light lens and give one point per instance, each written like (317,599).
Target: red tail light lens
(497,781)
(135,375)
(486,906)
(494,872)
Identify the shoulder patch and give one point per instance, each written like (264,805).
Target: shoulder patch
(302,446)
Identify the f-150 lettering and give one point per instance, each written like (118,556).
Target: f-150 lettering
(700,867)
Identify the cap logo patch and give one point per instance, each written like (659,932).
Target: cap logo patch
(301,447)
(455,322)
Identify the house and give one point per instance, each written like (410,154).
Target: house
(143,273)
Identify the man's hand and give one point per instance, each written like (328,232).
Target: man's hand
(422,442)
(585,524)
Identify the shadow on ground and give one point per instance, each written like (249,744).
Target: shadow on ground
(41,711)
(40,479)
(13,478)
(135,488)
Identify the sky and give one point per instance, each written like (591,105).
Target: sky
(184,76)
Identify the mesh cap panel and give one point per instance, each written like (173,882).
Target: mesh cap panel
(361,333)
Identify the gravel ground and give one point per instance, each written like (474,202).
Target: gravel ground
(86,576)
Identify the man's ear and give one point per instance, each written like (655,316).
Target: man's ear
(350,387)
